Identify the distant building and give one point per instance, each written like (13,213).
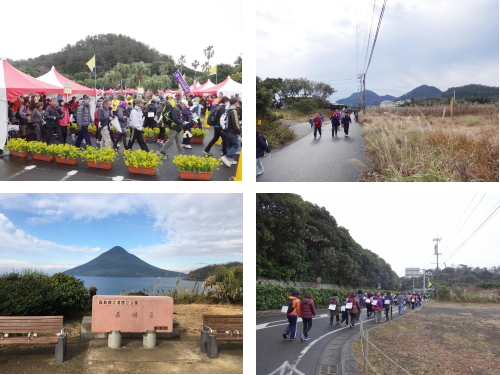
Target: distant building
(401,103)
(387,104)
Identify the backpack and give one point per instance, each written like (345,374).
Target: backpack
(225,117)
(212,118)
(165,116)
(289,306)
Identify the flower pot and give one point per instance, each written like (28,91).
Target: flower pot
(141,170)
(91,134)
(196,126)
(99,164)
(42,157)
(185,175)
(145,137)
(72,131)
(21,154)
(196,140)
(66,160)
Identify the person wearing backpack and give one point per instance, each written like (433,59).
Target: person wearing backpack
(292,316)
(187,123)
(335,124)
(369,307)
(377,307)
(355,307)
(105,116)
(261,147)
(334,301)
(214,120)
(233,134)
(163,122)
(52,115)
(308,312)
(175,125)
(149,115)
(22,116)
(388,300)
(121,113)
(84,119)
(346,120)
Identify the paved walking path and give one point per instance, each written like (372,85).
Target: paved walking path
(326,158)
(327,352)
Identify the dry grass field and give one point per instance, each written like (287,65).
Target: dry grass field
(422,144)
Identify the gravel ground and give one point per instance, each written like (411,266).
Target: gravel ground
(440,338)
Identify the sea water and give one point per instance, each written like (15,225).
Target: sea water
(107,286)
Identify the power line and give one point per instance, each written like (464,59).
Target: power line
(458,222)
(369,36)
(376,34)
(488,219)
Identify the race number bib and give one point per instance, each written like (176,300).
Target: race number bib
(348,305)
(332,307)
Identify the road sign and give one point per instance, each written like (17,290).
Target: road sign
(318,279)
(412,272)
(68,88)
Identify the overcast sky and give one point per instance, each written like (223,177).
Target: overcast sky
(400,227)
(438,43)
(172,28)
(178,232)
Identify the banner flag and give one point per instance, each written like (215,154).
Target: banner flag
(182,82)
(91,63)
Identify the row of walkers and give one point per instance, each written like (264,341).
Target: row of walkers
(348,310)
(336,118)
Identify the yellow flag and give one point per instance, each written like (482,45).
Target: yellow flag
(213,70)
(91,63)
(430,284)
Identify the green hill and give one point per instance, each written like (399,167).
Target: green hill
(109,49)
(300,241)
(117,262)
(471,91)
(371,99)
(201,274)
(422,92)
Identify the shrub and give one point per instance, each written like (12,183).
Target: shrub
(199,133)
(66,151)
(34,293)
(276,133)
(141,158)
(40,148)
(270,297)
(191,163)
(226,284)
(306,105)
(99,154)
(17,144)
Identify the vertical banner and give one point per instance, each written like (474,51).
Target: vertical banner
(182,83)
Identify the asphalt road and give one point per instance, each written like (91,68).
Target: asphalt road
(326,158)
(275,354)
(13,168)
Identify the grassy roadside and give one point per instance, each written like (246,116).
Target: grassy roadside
(441,338)
(432,148)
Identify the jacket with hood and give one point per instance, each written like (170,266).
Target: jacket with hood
(296,306)
(52,115)
(355,305)
(83,115)
(307,308)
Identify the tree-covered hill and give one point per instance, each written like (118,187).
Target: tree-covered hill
(201,274)
(123,62)
(300,241)
(372,98)
(471,91)
(420,92)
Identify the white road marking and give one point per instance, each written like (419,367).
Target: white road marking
(118,178)
(283,322)
(285,366)
(26,169)
(71,173)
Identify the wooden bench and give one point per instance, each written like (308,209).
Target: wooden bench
(219,328)
(32,325)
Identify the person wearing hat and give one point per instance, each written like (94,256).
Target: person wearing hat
(105,116)
(233,134)
(171,101)
(175,124)
(83,119)
(150,114)
(52,116)
(353,302)
(130,100)
(136,122)
(388,300)
(291,329)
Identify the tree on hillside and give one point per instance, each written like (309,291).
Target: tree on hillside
(238,64)
(226,284)
(181,61)
(195,65)
(205,67)
(123,70)
(209,53)
(112,79)
(139,71)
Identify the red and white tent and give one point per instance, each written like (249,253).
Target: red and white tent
(200,89)
(14,83)
(228,87)
(55,78)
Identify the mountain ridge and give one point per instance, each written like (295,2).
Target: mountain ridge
(118,262)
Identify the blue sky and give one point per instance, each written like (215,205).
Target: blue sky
(438,43)
(178,232)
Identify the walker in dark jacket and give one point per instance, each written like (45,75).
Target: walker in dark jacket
(346,120)
(335,124)
(261,147)
(52,116)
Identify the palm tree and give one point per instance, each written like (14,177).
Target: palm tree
(195,65)
(238,64)
(209,53)
(140,70)
(123,70)
(205,67)
(112,79)
(163,69)
(181,61)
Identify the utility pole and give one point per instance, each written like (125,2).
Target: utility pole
(437,254)
(364,93)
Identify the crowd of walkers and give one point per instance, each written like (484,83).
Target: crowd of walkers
(349,310)
(338,119)
(44,117)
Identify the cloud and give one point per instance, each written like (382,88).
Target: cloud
(13,238)
(7,265)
